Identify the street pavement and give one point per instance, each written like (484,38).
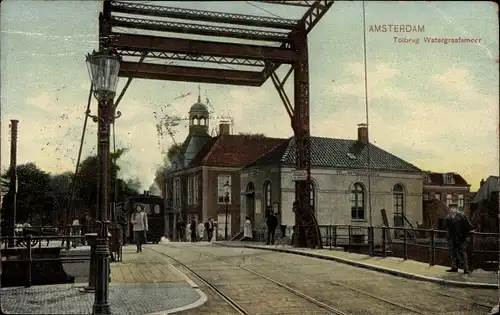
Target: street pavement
(144,283)
(392,265)
(352,290)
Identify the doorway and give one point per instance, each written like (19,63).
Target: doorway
(250,202)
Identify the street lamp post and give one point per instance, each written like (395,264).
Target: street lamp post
(103,70)
(227,191)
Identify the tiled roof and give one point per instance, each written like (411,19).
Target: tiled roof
(338,153)
(437,179)
(272,156)
(234,150)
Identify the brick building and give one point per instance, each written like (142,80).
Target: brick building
(195,185)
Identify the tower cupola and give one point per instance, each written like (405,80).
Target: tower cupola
(198,116)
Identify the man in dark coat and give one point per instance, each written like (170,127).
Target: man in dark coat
(209,227)
(458,230)
(181,229)
(193,227)
(272,223)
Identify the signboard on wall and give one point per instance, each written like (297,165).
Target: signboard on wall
(299,175)
(356,173)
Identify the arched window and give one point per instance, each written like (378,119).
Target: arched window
(357,202)
(398,192)
(250,187)
(267,194)
(312,197)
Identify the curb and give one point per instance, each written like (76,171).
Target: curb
(201,300)
(392,272)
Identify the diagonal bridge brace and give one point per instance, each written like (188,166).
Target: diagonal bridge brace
(280,87)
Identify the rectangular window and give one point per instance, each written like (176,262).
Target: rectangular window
(177,192)
(190,191)
(196,189)
(437,196)
(461,201)
(222,181)
(449,199)
(221,225)
(398,204)
(357,205)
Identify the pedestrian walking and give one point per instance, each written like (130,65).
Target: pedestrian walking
(272,223)
(193,227)
(140,227)
(75,232)
(209,227)
(201,231)
(247,230)
(187,232)
(181,228)
(458,229)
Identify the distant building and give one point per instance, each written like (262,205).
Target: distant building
(439,191)
(195,185)
(484,206)
(340,187)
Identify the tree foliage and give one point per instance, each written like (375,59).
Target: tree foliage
(48,197)
(86,182)
(33,195)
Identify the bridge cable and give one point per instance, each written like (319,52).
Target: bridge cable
(70,209)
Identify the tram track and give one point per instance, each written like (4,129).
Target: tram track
(235,305)
(334,283)
(399,305)
(465,300)
(321,292)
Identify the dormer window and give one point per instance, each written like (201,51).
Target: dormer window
(351,156)
(449,178)
(427,178)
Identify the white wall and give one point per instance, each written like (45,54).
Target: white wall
(333,188)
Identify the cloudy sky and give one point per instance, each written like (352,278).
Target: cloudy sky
(434,105)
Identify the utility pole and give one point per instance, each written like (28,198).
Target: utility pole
(13,177)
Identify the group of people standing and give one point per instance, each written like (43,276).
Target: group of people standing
(193,232)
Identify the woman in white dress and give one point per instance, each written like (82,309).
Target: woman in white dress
(247,230)
(188,232)
(201,231)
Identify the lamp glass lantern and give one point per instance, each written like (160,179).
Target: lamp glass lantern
(103,70)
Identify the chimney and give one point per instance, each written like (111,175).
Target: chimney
(481,183)
(363,133)
(224,128)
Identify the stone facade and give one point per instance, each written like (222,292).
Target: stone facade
(332,195)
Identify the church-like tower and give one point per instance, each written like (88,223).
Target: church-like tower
(198,117)
(198,131)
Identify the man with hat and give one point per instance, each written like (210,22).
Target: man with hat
(458,230)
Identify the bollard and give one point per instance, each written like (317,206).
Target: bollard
(432,252)
(334,236)
(384,241)
(371,241)
(349,234)
(405,244)
(30,259)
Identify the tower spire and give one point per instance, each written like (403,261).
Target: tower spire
(199,94)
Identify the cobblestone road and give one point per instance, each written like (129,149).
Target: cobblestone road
(350,289)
